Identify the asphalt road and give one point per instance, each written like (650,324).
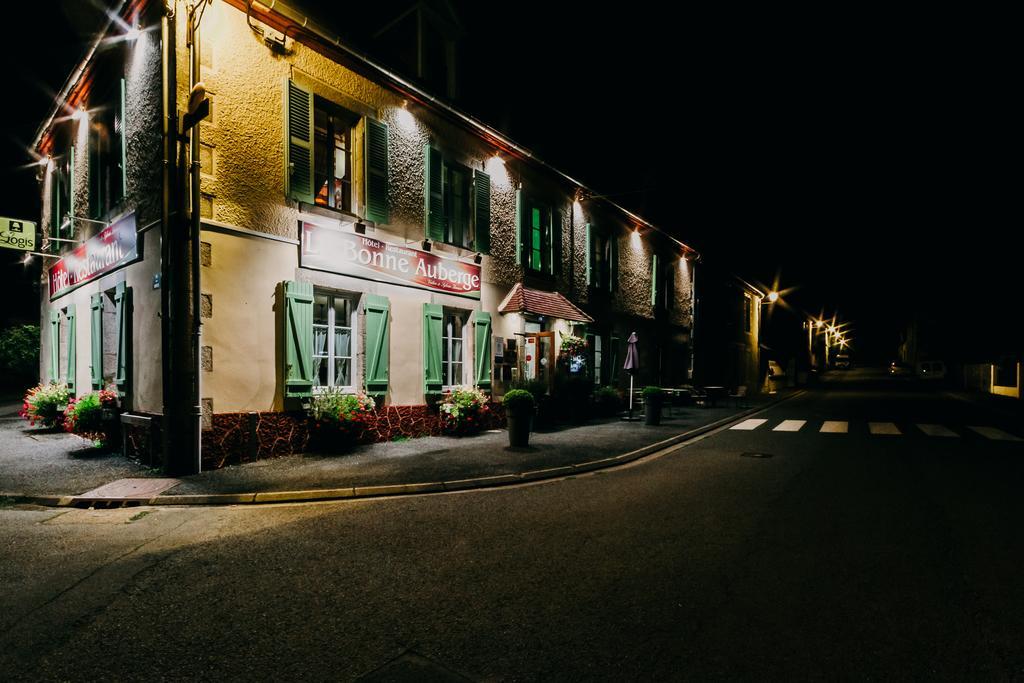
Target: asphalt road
(894,554)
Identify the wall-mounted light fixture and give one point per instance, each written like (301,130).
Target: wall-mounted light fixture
(478,258)
(426,245)
(360,228)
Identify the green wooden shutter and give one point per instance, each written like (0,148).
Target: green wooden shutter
(482,348)
(54,346)
(377,344)
(654,279)
(556,242)
(613,281)
(55,185)
(432,323)
(71,194)
(124,141)
(298,143)
(72,365)
(590,253)
(376,171)
(482,211)
(433,193)
(123,306)
(298,338)
(520,227)
(96,337)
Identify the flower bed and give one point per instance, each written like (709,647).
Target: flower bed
(44,404)
(463,411)
(94,416)
(338,420)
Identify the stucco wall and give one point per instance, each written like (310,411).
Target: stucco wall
(243,186)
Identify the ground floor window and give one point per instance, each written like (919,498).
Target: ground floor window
(595,345)
(333,340)
(453,348)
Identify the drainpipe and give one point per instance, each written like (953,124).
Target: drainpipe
(169,213)
(197,318)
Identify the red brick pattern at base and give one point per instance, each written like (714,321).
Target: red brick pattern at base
(246,437)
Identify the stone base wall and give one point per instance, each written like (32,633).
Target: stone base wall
(246,437)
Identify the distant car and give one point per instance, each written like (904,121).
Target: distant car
(899,369)
(843,361)
(931,369)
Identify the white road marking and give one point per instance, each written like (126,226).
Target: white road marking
(936,430)
(835,427)
(995,434)
(883,428)
(790,426)
(747,425)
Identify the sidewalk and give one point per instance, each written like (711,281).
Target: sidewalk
(35,463)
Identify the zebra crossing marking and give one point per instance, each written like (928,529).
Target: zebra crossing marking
(937,430)
(790,426)
(835,427)
(748,425)
(994,434)
(884,428)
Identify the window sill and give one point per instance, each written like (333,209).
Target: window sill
(335,214)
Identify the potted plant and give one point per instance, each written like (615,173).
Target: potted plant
(94,416)
(519,410)
(46,404)
(462,411)
(338,420)
(652,405)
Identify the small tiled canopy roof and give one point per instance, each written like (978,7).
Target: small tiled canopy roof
(539,302)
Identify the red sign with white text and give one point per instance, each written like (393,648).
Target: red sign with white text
(367,257)
(112,247)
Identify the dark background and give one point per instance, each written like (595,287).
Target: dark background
(864,161)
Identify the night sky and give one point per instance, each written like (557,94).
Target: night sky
(866,159)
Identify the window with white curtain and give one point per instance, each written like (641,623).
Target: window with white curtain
(334,323)
(453,348)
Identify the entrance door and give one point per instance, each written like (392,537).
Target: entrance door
(539,357)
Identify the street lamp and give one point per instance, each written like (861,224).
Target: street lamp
(773,296)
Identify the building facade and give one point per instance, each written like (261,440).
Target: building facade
(728,332)
(355,233)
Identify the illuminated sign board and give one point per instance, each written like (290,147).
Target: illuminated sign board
(367,257)
(17,234)
(112,247)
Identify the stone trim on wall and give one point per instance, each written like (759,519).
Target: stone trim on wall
(237,438)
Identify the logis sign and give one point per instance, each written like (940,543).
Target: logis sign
(112,247)
(17,234)
(351,254)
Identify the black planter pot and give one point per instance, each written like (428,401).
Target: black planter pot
(652,410)
(519,430)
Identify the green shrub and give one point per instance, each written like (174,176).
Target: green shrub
(19,351)
(607,401)
(652,392)
(519,402)
(45,403)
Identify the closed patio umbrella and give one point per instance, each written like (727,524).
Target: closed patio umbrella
(631,365)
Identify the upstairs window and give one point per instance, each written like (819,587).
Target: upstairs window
(748,312)
(457,202)
(333,154)
(539,235)
(602,258)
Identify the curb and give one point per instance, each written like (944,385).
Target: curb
(379,491)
